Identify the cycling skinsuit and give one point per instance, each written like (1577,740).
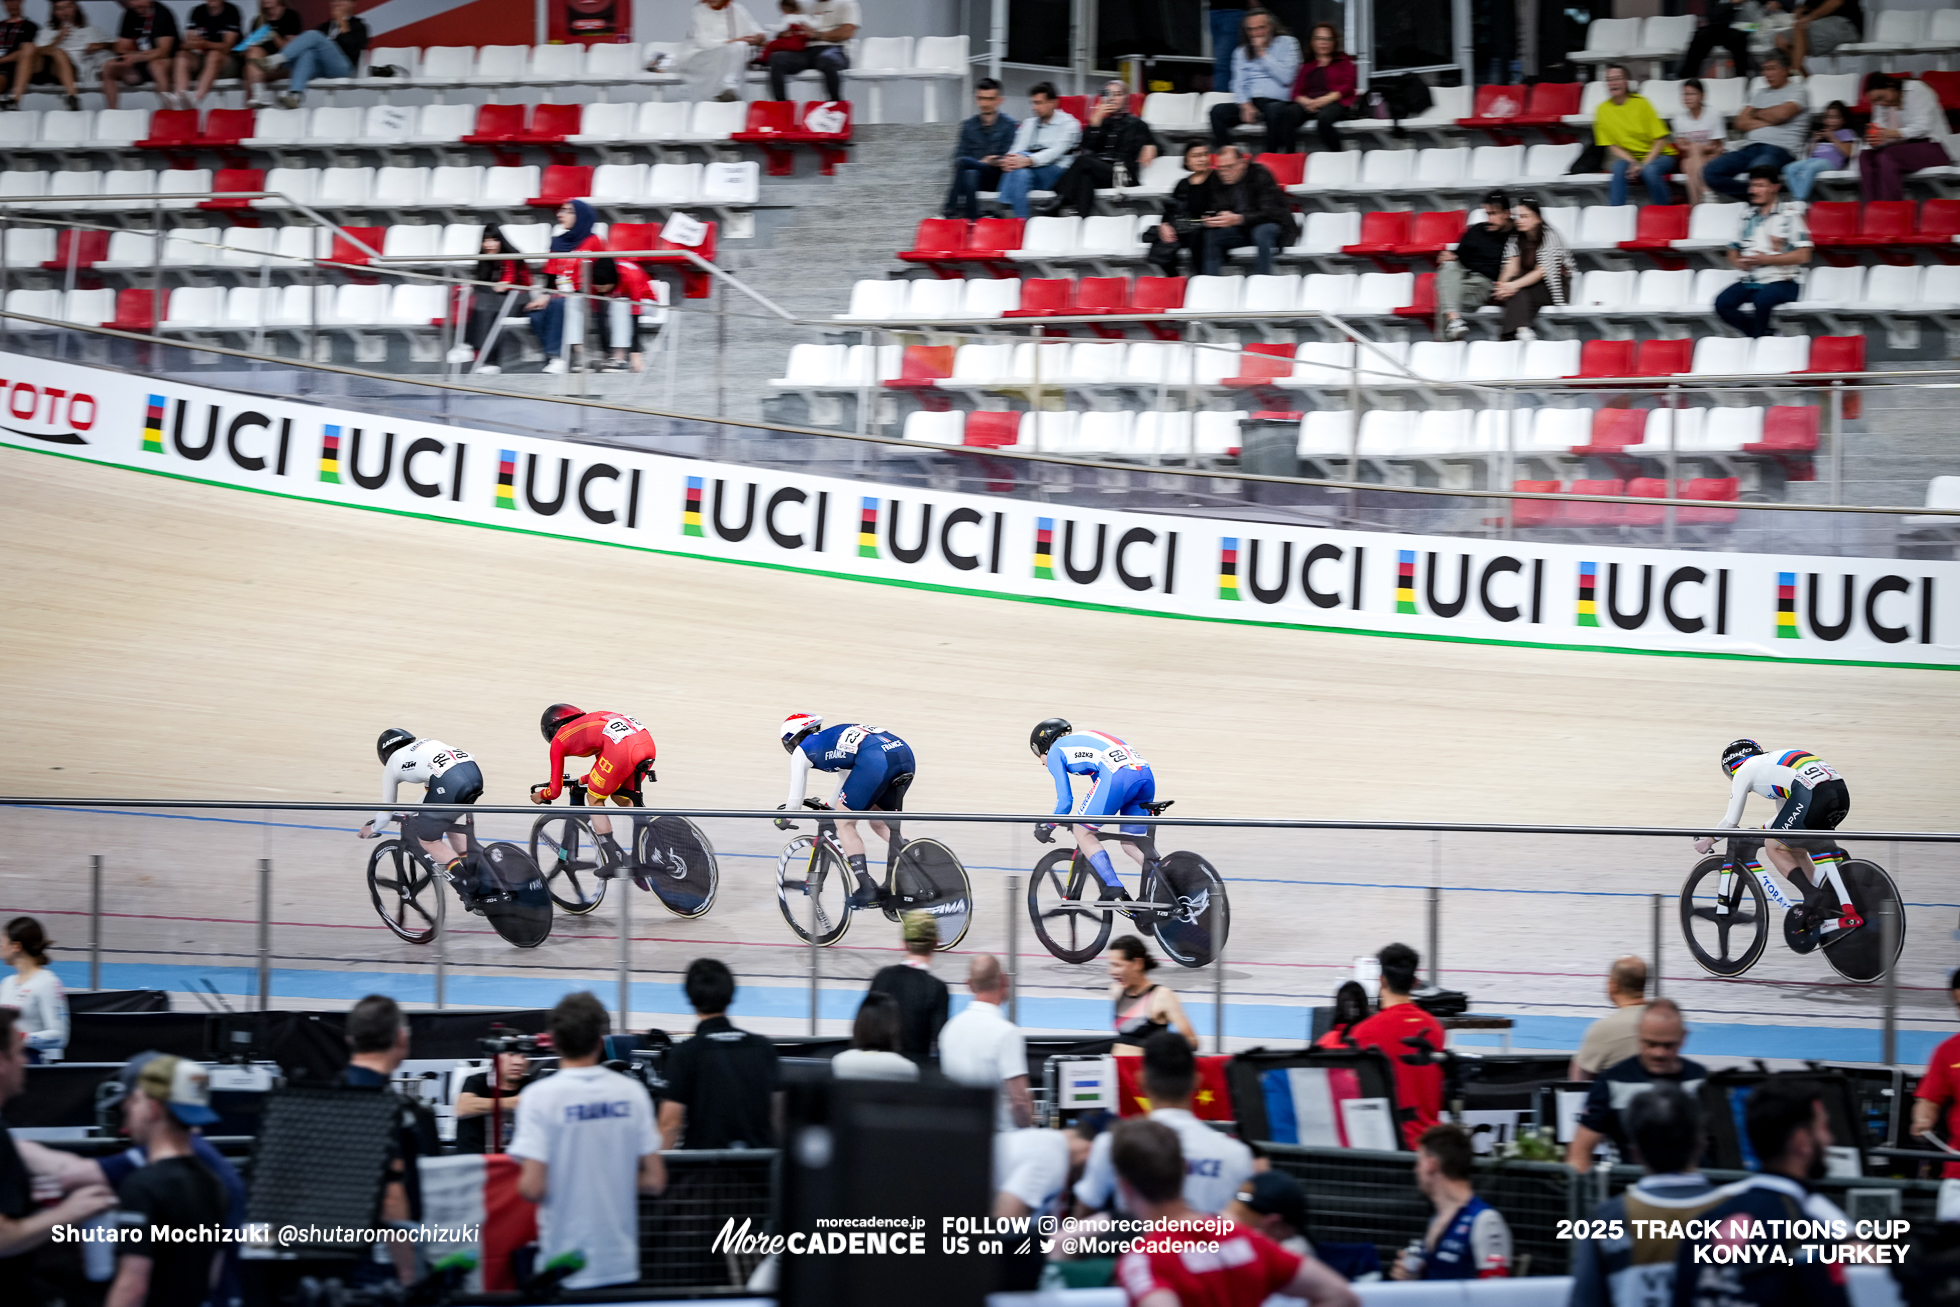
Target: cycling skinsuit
(1123,782)
(625,755)
(451,776)
(1813,795)
(874,759)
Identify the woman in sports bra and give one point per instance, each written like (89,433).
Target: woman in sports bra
(1142,1007)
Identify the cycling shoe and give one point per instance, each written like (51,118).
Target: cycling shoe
(1800,934)
(1114,894)
(867,894)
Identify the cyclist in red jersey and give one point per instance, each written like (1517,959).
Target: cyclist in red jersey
(622,751)
(1190,1259)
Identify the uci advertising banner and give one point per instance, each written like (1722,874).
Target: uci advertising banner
(1859,610)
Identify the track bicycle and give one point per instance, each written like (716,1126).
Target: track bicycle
(921,875)
(1180,899)
(671,857)
(498,881)
(1726,905)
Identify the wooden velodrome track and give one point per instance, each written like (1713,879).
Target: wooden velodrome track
(166,639)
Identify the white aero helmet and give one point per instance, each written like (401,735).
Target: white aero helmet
(799,726)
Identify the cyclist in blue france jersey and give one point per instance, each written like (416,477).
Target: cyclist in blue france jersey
(1122,787)
(880,766)
(1813,797)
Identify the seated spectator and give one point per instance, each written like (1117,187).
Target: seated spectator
(1244,206)
(923,1000)
(1699,134)
(1717,28)
(18,48)
(1181,232)
(475,1104)
(721,1082)
(1351,1008)
(984,139)
(873,1054)
(1274,1204)
(621,289)
(25,1221)
(1042,141)
(1774,125)
(1820,27)
(1833,145)
(1771,249)
(1143,1007)
(1264,64)
(1418,1086)
(277,26)
(1901,138)
(1538,270)
(830,23)
(210,32)
(1615,1037)
(1219,1165)
(1467,277)
(1467,1239)
(488,304)
(1772,19)
(1664,1127)
(721,35)
(562,278)
(333,49)
(1115,149)
(1635,140)
(33,990)
(145,42)
(1327,85)
(1936,1102)
(71,51)
(1662,1033)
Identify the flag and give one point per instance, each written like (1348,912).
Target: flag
(478,1192)
(1212,1100)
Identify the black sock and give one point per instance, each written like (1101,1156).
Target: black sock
(857,865)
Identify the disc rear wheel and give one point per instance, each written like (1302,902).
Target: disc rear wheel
(929,878)
(1195,932)
(520,907)
(1859,955)
(676,859)
(1060,893)
(821,885)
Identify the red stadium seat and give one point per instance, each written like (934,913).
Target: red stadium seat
(1076,107)
(990,430)
(1136,104)
(1495,106)
(996,236)
(923,367)
(773,124)
(1708,488)
(1102,295)
(1382,232)
(1606,358)
(1582,513)
(1788,428)
(171,129)
(632,235)
(1613,429)
(224,128)
(1939,224)
(552,123)
(813,121)
(1287,169)
(1641,515)
(136,310)
(1534,512)
(695,284)
(345,251)
(1547,105)
(1887,226)
(1157,294)
(1431,233)
(1834,229)
(1043,297)
(1663,358)
(563,181)
(1837,354)
(939,244)
(1262,364)
(233,180)
(84,245)
(497,124)
(1424,304)
(1660,225)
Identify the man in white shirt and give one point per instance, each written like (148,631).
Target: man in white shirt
(1906,120)
(721,37)
(982,1048)
(588,1148)
(1215,1165)
(1769,251)
(1040,151)
(829,23)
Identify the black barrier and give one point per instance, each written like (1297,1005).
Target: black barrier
(308,1045)
(117,1000)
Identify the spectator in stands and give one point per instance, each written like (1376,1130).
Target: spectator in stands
(1467,276)
(721,1082)
(1244,206)
(562,278)
(1246,1268)
(25,1224)
(1635,140)
(71,50)
(210,32)
(1041,142)
(1774,123)
(487,303)
(1142,1007)
(1327,85)
(173,1194)
(1662,1033)
(982,1048)
(145,41)
(1770,250)
(475,1104)
(277,26)
(1821,26)
(587,1150)
(984,138)
(1789,1131)
(1717,28)
(377,1044)
(1833,145)
(1936,1102)
(873,1054)
(1274,1204)
(1699,134)
(1115,149)
(333,49)
(1467,1239)
(831,23)
(721,35)
(1220,1165)
(923,1000)
(18,48)
(33,990)
(1664,1127)
(621,288)
(1351,1008)
(1264,64)
(1615,1037)
(1902,137)
(1401,1029)
(1538,270)
(1181,231)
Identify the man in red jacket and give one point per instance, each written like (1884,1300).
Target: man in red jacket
(1418,1086)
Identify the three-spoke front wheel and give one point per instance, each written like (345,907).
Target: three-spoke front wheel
(1061,898)
(1726,934)
(813,887)
(567,853)
(406,892)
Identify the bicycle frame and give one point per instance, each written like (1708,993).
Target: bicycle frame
(1146,901)
(1750,856)
(827,818)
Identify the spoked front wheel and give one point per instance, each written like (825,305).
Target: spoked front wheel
(406,891)
(929,878)
(1859,955)
(1059,897)
(567,852)
(1195,932)
(677,861)
(1726,935)
(821,884)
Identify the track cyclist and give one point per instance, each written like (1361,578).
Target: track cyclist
(1123,786)
(874,759)
(1814,798)
(449,775)
(622,754)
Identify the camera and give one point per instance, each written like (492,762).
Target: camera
(502,1039)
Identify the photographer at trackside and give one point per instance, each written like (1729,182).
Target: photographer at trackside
(588,1148)
(476,1105)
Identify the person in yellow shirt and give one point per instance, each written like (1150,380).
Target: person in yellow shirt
(1634,138)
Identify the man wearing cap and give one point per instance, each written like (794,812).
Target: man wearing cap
(173,1192)
(1274,1204)
(923,1000)
(24,1224)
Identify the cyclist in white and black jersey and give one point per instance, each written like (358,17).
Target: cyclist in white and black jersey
(1813,797)
(450,775)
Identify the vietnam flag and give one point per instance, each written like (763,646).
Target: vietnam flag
(1212,1101)
(478,1192)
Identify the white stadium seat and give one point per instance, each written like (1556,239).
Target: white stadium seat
(556,63)
(673,184)
(501,65)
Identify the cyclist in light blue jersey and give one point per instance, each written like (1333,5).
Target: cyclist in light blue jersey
(879,766)
(1123,787)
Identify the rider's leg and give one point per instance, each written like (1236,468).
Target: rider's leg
(1795,864)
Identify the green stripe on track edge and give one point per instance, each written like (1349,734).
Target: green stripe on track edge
(1051,601)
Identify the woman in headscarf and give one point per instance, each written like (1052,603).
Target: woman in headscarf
(487,301)
(562,276)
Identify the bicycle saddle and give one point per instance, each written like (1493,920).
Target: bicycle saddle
(1157,809)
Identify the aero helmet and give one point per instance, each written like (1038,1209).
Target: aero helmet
(392,739)
(1738,752)
(799,726)
(555,716)
(1046,734)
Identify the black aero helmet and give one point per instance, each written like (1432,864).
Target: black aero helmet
(392,739)
(1045,735)
(1737,752)
(555,716)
